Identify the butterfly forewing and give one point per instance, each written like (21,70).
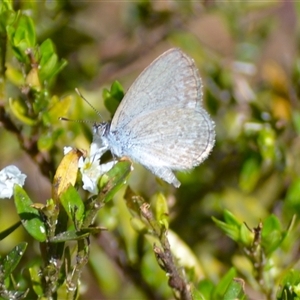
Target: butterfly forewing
(170,80)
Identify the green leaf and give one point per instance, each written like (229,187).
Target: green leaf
(25,32)
(223,284)
(161,210)
(230,219)
(290,284)
(29,216)
(235,229)
(19,110)
(49,64)
(270,224)
(117,90)
(14,75)
(72,235)
(235,290)
(22,37)
(36,279)
(114,179)
(231,230)
(133,202)
(32,79)
(12,259)
(6,6)
(206,288)
(58,108)
(246,236)
(113,97)
(7,17)
(9,230)
(267,142)
(272,235)
(73,205)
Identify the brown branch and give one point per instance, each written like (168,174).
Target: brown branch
(165,257)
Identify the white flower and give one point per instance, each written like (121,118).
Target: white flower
(91,169)
(67,150)
(10,176)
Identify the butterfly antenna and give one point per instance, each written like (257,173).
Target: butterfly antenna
(82,97)
(76,121)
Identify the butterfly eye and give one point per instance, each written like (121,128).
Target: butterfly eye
(101,129)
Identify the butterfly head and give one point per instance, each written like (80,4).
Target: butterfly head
(100,135)
(101,129)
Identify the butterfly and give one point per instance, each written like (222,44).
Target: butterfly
(161,123)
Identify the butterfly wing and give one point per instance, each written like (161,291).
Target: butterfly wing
(173,139)
(170,80)
(179,139)
(160,123)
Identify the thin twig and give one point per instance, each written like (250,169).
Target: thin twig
(165,257)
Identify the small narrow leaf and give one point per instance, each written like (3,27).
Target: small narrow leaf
(30,217)
(231,219)
(161,210)
(72,235)
(235,290)
(114,179)
(231,230)
(9,230)
(272,235)
(73,205)
(223,284)
(36,280)
(12,259)
(113,97)
(19,110)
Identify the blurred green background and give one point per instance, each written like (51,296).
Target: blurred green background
(247,53)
